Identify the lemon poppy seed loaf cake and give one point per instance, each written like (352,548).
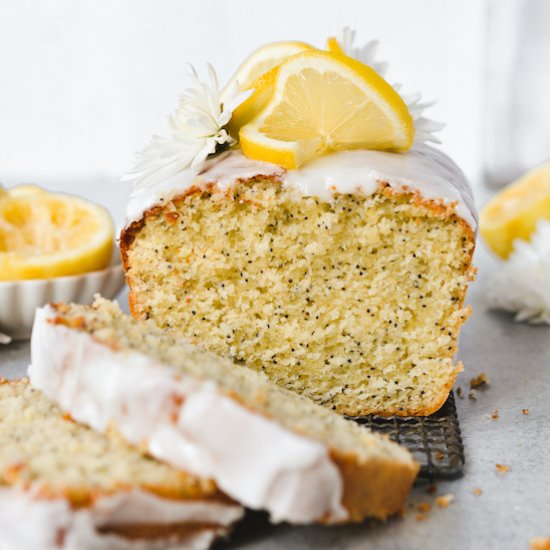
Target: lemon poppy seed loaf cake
(264,446)
(64,486)
(343,280)
(304,228)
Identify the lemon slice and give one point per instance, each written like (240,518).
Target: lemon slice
(265,58)
(259,73)
(253,105)
(45,235)
(514,212)
(325,102)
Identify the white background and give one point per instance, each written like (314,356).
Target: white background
(84,84)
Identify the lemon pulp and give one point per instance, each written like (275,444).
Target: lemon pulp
(45,235)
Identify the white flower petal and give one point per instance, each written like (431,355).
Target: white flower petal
(522,282)
(213,81)
(196,129)
(367,55)
(208,148)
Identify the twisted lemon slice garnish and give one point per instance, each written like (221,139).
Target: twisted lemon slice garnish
(334,46)
(259,72)
(45,235)
(264,59)
(250,108)
(322,102)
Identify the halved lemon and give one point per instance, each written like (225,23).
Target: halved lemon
(514,212)
(322,102)
(44,235)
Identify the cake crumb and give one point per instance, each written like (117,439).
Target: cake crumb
(431,489)
(502,468)
(481,380)
(66,416)
(472,395)
(525,411)
(539,543)
(495,415)
(439,455)
(444,501)
(477,491)
(424,507)
(420,517)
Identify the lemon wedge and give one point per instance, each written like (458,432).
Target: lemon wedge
(45,235)
(322,102)
(265,58)
(514,212)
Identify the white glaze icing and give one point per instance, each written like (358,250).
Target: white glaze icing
(130,507)
(187,422)
(423,169)
(31,523)
(223,170)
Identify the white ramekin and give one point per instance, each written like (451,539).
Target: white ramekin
(19,299)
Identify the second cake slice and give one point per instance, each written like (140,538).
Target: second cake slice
(265,446)
(66,487)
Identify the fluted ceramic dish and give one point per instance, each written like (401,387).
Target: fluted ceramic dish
(19,299)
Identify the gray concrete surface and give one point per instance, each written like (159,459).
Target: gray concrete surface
(513,506)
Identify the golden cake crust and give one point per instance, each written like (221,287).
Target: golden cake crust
(376,490)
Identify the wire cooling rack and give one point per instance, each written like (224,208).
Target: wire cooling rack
(435,440)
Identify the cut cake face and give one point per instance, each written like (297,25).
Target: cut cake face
(264,446)
(354,299)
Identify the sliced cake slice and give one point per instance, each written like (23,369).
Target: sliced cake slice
(64,486)
(263,445)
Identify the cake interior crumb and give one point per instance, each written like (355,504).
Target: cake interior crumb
(355,303)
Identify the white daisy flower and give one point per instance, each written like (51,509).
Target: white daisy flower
(425,127)
(522,283)
(197,130)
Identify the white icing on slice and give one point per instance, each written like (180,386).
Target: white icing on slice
(131,507)
(30,523)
